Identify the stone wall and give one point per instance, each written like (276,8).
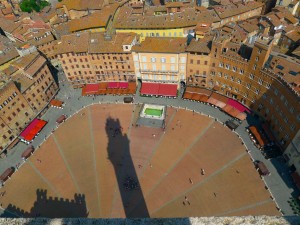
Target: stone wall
(261,220)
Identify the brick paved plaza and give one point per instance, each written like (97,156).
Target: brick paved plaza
(81,169)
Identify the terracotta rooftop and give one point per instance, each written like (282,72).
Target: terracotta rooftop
(189,17)
(174,4)
(264,23)
(62,29)
(74,43)
(25,61)
(7,10)
(291,18)
(287,67)
(161,45)
(98,43)
(249,27)
(8,25)
(39,38)
(10,70)
(274,20)
(202,27)
(23,81)
(297,51)
(81,4)
(198,46)
(7,50)
(95,20)
(236,9)
(293,35)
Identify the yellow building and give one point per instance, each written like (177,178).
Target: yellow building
(161,21)
(177,32)
(161,60)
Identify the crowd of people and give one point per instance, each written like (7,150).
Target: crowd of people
(130,184)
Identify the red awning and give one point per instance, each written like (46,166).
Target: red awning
(220,104)
(33,129)
(257,135)
(102,86)
(212,101)
(237,105)
(241,116)
(296,179)
(90,89)
(195,97)
(113,85)
(56,103)
(150,88)
(123,85)
(187,95)
(167,90)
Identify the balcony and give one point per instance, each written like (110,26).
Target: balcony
(159,71)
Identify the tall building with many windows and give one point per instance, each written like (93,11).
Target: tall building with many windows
(265,81)
(28,89)
(96,57)
(161,60)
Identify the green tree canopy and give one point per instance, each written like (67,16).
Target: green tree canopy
(33,5)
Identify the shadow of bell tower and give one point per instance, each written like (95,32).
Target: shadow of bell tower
(128,183)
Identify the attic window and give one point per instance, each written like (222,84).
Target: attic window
(280,67)
(293,73)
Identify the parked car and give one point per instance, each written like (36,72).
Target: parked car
(128,99)
(61,119)
(231,124)
(7,174)
(261,167)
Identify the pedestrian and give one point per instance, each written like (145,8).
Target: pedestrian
(183,203)
(237,171)
(202,171)
(215,194)
(188,202)
(191,181)
(150,165)
(185,197)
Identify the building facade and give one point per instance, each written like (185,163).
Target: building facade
(253,80)
(292,152)
(99,58)
(198,63)
(24,95)
(15,113)
(161,60)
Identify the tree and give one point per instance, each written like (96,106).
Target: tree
(33,5)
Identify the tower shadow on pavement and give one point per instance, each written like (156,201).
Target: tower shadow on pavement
(49,207)
(119,154)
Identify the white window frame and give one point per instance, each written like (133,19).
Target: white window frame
(182,59)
